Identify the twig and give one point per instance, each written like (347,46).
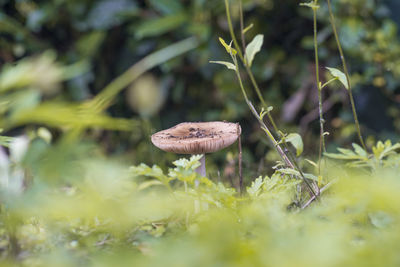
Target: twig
(313,114)
(323,189)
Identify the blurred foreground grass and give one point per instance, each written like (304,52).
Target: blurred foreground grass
(71,206)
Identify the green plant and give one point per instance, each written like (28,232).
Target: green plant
(250,51)
(383,156)
(295,139)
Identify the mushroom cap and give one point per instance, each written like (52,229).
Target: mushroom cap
(197,137)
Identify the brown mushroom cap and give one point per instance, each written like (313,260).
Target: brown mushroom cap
(197,137)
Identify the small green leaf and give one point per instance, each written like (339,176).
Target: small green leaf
(382,150)
(340,75)
(253,48)
(228,48)
(359,150)
(265,112)
(248,28)
(187,164)
(229,65)
(346,154)
(296,141)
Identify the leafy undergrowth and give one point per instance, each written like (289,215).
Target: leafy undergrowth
(67,205)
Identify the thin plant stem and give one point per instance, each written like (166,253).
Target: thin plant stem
(242,26)
(297,167)
(346,72)
(257,89)
(250,73)
(328,82)
(248,70)
(235,42)
(321,118)
(269,134)
(240,160)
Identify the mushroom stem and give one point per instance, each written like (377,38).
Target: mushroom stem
(202,168)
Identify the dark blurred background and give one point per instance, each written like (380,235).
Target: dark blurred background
(112,35)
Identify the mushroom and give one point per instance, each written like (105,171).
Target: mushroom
(197,138)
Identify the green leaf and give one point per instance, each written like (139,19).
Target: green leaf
(389,150)
(228,48)
(346,151)
(229,65)
(187,164)
(346,154)
(256,187)
(296,141)
(155,172)
(278,185)
(382,150)
(253,48)
(159,26)
(265,112)
(340,75)
(359,150)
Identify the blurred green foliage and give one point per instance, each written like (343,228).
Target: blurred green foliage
(99,40)
(84,209)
